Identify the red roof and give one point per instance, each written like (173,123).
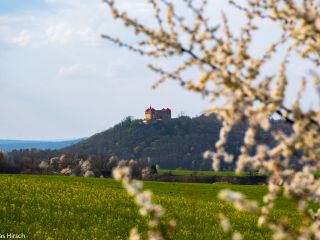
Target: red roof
(150,109)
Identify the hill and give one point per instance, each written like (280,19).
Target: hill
(9,145)
(175,143)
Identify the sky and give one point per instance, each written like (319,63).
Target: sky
(60,80)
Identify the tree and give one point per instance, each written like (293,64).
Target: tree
(232,76)
(44,166)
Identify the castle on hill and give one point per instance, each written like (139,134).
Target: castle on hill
(153,114)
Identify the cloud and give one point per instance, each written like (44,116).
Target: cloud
(23,38)
(62,33)
(66,23)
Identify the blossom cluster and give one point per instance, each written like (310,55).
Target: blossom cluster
(238,200)
(226,227)
(143,201)
(232,77)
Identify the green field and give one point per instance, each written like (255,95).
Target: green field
(52,207)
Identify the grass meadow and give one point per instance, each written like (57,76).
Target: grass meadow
(54,207)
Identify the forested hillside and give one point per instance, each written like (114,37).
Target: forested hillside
(176,143)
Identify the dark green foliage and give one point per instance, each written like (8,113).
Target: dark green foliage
(153,169)
(6,166)
(175,143)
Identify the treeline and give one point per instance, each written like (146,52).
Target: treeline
(48,162)
(24,161)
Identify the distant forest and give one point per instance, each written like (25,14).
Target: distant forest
(172,144)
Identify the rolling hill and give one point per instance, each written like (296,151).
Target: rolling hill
(175,143)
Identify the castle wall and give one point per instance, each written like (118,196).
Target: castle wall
(164,115)
(152,114)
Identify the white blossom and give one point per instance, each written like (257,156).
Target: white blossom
(232,76)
